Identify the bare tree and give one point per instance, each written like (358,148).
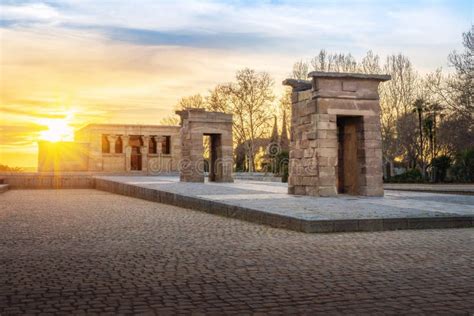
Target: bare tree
(462,84)
(370,64)
(218,99)
(334,62)
(396,99)
(171,120)
(300,70)
(193,101)
(453,117)
(251,98)
(419,108)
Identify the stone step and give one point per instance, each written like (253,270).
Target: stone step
(2,181)
(4,187)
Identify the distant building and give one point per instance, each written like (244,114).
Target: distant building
(114,148)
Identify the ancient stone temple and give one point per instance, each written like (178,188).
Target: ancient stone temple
(335,145)
(196,124)
(114,148)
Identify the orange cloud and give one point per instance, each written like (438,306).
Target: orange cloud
(52,71)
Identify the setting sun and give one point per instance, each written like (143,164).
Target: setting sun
(58,129)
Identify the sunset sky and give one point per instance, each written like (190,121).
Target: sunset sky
(78,62)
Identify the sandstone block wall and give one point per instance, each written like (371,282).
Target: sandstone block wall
(195,124)
(332,114)
(116,162)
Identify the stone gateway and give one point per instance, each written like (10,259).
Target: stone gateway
(336,142)
(195,124)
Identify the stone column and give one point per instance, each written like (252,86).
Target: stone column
(224,154)
(371,182)
(157,164)
(144,151)
(127,150)
(112,139)
(158,140)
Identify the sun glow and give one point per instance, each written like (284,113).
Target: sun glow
(58,129)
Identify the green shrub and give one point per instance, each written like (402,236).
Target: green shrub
(281,165)
(410,176)
(463,168)
(440,167)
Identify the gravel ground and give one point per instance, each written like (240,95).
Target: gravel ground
(87,251)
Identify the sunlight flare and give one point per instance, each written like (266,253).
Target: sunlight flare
(58,129)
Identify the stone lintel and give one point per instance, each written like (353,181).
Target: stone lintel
(348,75)
(297,84)
(198,114)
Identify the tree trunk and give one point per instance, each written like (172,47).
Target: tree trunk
(420,122)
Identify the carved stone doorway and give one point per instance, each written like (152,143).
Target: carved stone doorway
(348,167)
(196,124)
(136,159)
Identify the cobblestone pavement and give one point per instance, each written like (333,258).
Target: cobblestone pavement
(87,251)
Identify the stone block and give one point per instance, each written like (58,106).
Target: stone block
(327,190)
(312,188)
(327,143)
(312,135)
(370,225)
(327,180)
(309,181)
(395,223)
(345,225)
(319,226)
(299,190)
(440,222)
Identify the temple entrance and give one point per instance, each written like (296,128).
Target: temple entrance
(347,161)
(136,159)
(206,140)
(212,150)
(136,154)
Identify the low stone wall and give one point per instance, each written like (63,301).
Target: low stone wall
(48,181)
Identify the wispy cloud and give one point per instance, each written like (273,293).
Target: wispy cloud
(130,61)
(288,26)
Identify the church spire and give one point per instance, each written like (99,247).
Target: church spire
(284,142)
(274,138)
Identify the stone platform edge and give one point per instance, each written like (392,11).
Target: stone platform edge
(20,181)
(280,221)
(4,187)
(455,192)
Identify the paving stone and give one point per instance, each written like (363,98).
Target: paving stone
(92,252)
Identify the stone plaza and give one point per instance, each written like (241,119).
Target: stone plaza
(148,229)
(92,252)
